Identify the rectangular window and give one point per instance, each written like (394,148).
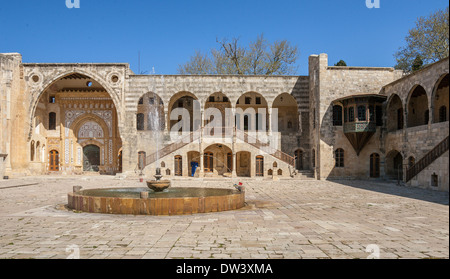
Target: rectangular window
(211,99)
(248,100)
(337,115)
(361,113)
(52,121)
(258,100)
(351,114)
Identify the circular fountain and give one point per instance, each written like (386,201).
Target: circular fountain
(157,199)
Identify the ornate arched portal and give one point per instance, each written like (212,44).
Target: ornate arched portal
(77,110)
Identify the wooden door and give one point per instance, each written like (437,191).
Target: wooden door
(298,160)
(208,161)
(259,166)
(178,166)
(54,160)
(375,165)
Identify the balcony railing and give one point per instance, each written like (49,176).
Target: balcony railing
(360,127)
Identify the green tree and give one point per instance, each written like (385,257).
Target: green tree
(417,64)
(428,40)
(341,63)
(231,58)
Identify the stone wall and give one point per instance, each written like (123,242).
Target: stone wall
(10,74)
(170,88)
(415,142)
(331,83)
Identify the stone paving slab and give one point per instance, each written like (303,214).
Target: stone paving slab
(286,219)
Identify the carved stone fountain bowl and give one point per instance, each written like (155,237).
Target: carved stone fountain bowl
(159,185)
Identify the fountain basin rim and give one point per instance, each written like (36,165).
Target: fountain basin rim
(85,192)
(155,205)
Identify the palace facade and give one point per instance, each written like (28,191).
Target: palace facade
(336,122)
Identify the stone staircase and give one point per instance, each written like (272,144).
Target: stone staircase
(241,135)
(304,174)
(428,159)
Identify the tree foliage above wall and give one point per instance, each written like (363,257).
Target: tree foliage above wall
(426,43)
(231,58)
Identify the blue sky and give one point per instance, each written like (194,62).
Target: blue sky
(167,32)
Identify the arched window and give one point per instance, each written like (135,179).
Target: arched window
(337,115)
(38,151)
(339,158)
(361,113)
(140,121)
(52,121)
(442,114)
(32,150)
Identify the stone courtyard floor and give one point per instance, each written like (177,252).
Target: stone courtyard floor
(287,219)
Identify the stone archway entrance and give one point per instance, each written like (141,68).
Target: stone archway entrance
(76,111)
(91,158)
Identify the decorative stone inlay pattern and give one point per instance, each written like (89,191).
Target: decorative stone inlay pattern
(91,129)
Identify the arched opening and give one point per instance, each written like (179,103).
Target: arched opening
(394,165)
(395,120)
(38,151)
(215,159)
(441,100)
(187,103)
(221,103)
(68,106)
(252,112)
(91,158)
(418,107)
(288,116)
(150,113)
